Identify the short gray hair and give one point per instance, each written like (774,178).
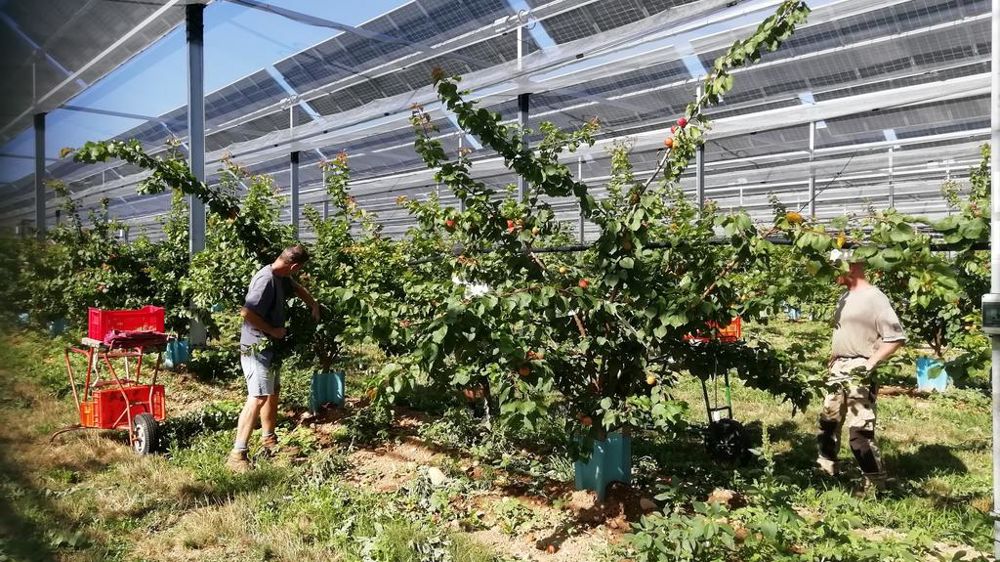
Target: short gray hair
(296,254)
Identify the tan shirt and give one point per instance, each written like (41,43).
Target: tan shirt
(863,320)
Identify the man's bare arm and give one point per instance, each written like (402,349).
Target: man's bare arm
(307,298)
(258,322)
(884,352)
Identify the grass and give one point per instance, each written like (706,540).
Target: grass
(87,497)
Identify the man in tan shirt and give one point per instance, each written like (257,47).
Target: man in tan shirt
(866,331)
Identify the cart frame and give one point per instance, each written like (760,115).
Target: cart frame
(99,355)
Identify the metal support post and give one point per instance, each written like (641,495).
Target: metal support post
(40,175)
(579,178)
(699,178)
(520,47)
(294,189)
(995,263)
(892,185)
(812,170)
(196,134)
(523,103)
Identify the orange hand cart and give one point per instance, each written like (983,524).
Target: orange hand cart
(107,400)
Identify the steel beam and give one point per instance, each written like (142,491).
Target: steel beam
(294,189)
(39,122)
(812,170)
(892,185)
(195,14)
(579,178)
(995,263)
(523,105)
(699,170)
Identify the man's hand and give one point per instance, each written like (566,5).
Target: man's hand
(278,333)
(315,311)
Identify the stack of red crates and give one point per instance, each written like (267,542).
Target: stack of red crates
(106,407)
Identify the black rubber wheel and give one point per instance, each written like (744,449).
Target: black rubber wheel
(726,441)
(144,434)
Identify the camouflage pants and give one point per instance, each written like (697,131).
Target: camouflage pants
(848,403)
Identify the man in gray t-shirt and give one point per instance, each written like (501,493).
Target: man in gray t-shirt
(263,315)
(866,331)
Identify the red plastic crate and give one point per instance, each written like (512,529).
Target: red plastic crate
(106,408)
(727,334)
(100,322)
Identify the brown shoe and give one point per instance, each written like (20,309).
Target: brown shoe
(270,444)
(238,462)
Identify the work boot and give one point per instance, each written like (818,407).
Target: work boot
(872,485)
(826,466)
(238,462)
(269,444)
(877,481)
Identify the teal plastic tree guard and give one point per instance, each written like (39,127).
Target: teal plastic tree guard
(178,352)
(327,388)
(611,461)
(57,327)
(931,375)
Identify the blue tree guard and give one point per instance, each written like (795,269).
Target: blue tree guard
(178,353)
(931,375)
(57,327)
(327,388)
(611,461)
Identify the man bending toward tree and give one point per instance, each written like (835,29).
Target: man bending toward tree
(866,331)
(263,324)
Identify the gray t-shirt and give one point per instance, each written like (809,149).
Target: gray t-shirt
(266,296)
(863,320)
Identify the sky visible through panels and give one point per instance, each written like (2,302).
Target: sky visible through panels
(238,41)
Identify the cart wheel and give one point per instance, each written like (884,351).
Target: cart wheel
(144,434)
(726,441)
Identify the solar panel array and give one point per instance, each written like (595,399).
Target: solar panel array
(619,61)
(75,33)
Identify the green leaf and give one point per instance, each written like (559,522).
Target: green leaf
(902,232)
(440,334)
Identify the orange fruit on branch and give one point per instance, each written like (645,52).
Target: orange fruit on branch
(794,217)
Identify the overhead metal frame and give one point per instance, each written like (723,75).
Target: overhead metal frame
(560,70)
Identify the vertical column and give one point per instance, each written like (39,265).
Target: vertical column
(40,175)
(520,47)
(812,170)
(995,263)
(523,103)
(196,133)
(294,189)
(892,183)
(699,178)
(579,178)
